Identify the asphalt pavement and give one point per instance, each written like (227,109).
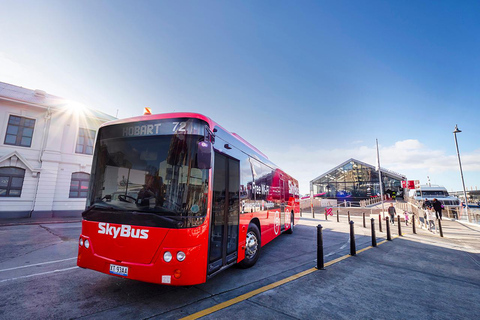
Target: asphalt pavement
(416,276)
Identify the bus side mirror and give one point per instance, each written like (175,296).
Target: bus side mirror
(204,155)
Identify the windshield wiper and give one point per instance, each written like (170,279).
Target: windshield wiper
(158,210)
(102,206)
(174,220)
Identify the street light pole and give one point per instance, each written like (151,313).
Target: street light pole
(380,179)
(461,172)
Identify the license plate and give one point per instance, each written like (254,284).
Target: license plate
(120,270)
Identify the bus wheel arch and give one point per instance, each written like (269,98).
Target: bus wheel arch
(257,223)
(252,245)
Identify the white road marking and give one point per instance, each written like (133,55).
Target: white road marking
(336,251)
(38,264)
(38,274)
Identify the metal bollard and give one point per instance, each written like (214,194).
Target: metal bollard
(380,223)
(353,249)
(364,225)
(399,226)
(413,224)
(348,216)
(338,219)
(387,223)
(440,227)
(313,213)
(326,214)
(374,239)
(320,262)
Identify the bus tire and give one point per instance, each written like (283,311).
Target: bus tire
(252,247)
(292,224)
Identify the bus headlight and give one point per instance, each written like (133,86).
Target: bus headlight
(167,256)
(87,243)
(80,242)
(181,255)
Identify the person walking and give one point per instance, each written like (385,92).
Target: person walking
(437,205)
(431,220)
(407,218)
(391,212)
(426,204)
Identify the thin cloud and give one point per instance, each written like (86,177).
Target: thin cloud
(409,157)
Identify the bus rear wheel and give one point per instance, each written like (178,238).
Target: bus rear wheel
(252,247)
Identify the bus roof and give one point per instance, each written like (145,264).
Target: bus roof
(431,187)
(210,122)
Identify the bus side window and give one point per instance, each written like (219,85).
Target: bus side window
(247,194)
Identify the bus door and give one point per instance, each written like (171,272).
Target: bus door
(282,204)
(223,242)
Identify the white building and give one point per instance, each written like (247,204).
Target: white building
(46,147)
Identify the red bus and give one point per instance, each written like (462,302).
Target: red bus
(175,198)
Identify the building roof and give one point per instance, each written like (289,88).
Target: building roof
(387,172)
(41,99)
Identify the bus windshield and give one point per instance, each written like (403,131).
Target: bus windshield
(148,180)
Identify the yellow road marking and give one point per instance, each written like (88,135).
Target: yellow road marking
(364,249)
(250,294)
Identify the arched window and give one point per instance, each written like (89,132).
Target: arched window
(79,185)
(11,181)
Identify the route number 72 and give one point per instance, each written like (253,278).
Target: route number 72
(179,126)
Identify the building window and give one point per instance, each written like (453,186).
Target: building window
(11,181)
(85,141)
(79,185)
(19,131)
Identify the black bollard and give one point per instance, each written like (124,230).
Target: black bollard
(353,249)
(440,227)
(313,212)
(387,223)
(399,226)
(320,263)
(348,216)
(380,223)
(374,239)
(413,224)
(326,214)
(364,225)
(338,219)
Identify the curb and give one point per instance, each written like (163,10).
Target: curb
(10,224)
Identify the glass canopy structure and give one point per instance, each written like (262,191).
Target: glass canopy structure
(355,180)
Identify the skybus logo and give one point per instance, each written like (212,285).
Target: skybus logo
(123,231)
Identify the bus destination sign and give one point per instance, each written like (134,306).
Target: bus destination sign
(153,128)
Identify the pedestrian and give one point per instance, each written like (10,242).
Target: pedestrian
(425,211)
(407,218)
(431,220)
(437,205)
(391,212)
(426,204)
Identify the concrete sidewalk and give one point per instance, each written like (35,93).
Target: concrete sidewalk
(415,276)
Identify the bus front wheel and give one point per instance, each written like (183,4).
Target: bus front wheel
(252,247)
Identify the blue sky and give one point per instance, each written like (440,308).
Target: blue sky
(310,83)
